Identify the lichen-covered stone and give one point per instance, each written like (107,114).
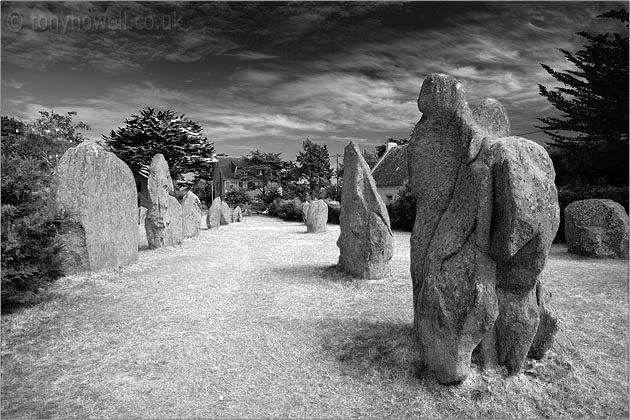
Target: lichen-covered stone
(98,191)
(366,241)
(214,214)
(486,213)
(191,215)
(596,228)
(317,217)
(163,221)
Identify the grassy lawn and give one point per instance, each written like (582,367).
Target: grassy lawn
(253,321)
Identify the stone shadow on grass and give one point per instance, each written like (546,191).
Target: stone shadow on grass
(373,348)
(309,271)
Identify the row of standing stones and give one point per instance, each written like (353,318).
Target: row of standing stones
(487,211)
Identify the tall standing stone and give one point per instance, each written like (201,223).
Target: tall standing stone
(226,214)
(596,228)
(366,241)
(317,217)
(98,191)
(485,210)
(191,215)
(163,222)
(214,214)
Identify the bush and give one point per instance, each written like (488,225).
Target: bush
(286,209)
(30,255)
(569,194)
(402,210)
(237,198)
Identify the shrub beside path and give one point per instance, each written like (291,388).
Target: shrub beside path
(252,320)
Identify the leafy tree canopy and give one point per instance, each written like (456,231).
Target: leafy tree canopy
(313,166)
(263,168)
(175,136)
(60,126)
(594,101)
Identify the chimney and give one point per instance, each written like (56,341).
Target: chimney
(390,145)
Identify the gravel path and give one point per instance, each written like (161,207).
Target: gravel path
(230,324)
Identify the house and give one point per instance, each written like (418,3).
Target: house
(227,176)
(391,172)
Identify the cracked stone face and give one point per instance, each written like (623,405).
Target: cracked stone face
(486,211)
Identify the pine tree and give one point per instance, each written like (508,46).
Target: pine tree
(594,103)
(262,169)
(175,136)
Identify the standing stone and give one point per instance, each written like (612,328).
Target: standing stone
(163,222)
(596,228)
(317,217)
(226,214)
(366,240)
(481,235)
(97,190)
(305,207)
(214,214)
(142,214)
(191,215)
(237,215)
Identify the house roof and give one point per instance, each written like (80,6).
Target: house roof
(229,166)
(392,169)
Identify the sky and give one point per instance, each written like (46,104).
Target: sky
(267,76)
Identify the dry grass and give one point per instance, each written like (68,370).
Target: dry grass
(252,321)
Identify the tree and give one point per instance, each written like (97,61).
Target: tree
(175,136)
(30,256)
(594,103)
(262,169)
(313,166)
(60,126)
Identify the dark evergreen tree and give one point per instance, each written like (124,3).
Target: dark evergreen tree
(175,136)
(594,101)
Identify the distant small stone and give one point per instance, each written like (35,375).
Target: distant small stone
(226,214)
(305,207)
(237,215)
(317,217)
(596,228)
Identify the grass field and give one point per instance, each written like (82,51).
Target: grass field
(253,321)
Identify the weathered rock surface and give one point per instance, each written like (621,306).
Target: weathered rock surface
(366,241)
(486,213)
(191,215)
(142,214)
(237,215)
(98,190)
(226,214)
(214,214)
(596,228)
(317,217)
(305,207)
(163,222)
